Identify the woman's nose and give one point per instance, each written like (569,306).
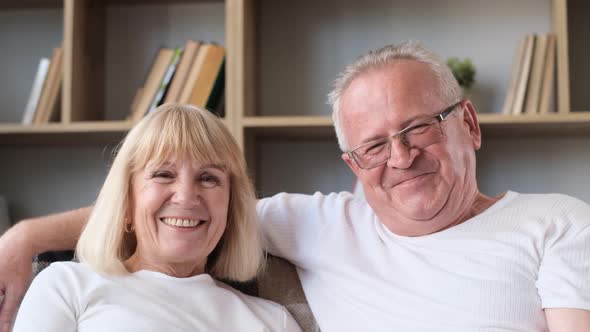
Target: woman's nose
(186,193)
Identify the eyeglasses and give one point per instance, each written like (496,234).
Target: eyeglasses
(417,136)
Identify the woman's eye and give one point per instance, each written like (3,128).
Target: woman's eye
(210,181)
(162,174)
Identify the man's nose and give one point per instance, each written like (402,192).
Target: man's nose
(401,155)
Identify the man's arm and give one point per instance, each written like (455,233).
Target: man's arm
(567,320)
(25,240)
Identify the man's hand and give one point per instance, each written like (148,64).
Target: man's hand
(20,243)
(15,274)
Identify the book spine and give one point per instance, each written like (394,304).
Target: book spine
(36,91)
(166,80)
(217,91)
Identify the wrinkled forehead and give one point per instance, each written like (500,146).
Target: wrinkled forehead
(402,83)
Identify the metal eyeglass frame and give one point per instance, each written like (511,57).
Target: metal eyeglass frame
(440,118)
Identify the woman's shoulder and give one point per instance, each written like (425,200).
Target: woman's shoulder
(67,274)
(272,313)
(56,269)
(67,268)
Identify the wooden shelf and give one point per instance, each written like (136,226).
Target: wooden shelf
(75,133)
(30,4)
(90,132)
(289,127)
(493,125)
(154,2)
(38,4)
(546,125)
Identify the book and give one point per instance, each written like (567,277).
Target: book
(191,78)
(215,101)
(204,74)
(36,91)
(135,101)
(523,77)
(152,83)
(533,94)
(182,71)
(548,75)
(206,89)
(514,76)
(52,108)
(219,107)
(159,98)
(48,100)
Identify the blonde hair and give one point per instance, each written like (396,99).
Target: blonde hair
(175,130)
(449,87)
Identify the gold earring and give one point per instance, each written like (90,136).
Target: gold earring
(129,227)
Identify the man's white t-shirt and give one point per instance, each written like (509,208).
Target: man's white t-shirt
(69,296)
(494,272)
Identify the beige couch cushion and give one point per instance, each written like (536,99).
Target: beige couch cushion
(280,283)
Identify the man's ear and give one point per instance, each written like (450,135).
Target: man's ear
(472,124)
(353,166)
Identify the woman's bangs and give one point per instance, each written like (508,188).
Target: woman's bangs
(179,137)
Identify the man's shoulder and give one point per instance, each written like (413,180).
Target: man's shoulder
(552,202)
(315,198)
(556,211)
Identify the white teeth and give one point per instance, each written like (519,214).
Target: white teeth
(180,222)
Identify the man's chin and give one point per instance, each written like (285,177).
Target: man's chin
(416,206)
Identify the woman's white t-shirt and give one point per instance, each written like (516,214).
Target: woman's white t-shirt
(71,296)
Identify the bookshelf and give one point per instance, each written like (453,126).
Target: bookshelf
(88,79)
(105,58)
(281,59)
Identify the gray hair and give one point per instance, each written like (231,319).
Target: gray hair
(375,59)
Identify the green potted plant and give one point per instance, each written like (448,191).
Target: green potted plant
(463,70)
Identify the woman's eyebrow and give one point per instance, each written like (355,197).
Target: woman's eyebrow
(215,166)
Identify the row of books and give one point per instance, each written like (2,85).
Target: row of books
(43,103)
(532,78)
(194,74)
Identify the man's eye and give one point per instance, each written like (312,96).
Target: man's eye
(374,148)
(210,181)
(419,129)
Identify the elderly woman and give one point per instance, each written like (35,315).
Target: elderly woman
(176,211)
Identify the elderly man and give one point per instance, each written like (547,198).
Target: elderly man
(426,251)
